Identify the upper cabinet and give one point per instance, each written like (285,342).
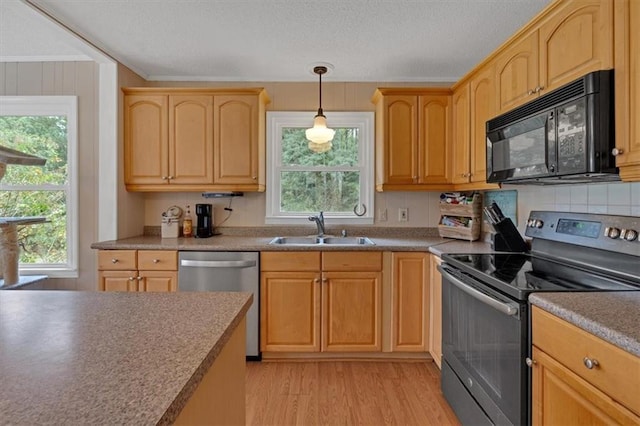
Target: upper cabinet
(571,40)
(627,91)
(413,133)
(194,139)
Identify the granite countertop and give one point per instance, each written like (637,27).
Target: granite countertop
(257,239)
(108,358)
(613,316)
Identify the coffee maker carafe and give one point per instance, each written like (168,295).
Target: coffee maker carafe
(204,213)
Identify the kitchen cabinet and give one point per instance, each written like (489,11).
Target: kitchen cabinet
(320,301)
(194,139)
(627,88)
(460,153)
(410,302)
(435,298)
(571,39)
(579,378)
(137,270)
(413,133)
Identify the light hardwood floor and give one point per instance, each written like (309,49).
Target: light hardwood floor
(345,393)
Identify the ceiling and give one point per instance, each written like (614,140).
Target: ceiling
(276,40)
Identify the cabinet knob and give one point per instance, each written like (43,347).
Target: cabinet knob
(132,278)
(538,89)
(590,363)
(254,177)
(324,280)
(617,151)
(530,362)
(156,260)
(114,260)
(165,177)
(139,278)
(316,281)
(531,92)
(169,177)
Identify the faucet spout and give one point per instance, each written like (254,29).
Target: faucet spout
(319,220)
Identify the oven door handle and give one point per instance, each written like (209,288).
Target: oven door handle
(505,308)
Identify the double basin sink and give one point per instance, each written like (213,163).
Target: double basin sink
(324,240)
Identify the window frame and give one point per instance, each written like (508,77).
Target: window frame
(363,120)
(53,106)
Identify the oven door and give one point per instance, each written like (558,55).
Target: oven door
(484,339)
(522,150)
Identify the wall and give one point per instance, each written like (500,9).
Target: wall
(78,79)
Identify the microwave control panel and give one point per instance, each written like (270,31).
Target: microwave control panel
(572,137)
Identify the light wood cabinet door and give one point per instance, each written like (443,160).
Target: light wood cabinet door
(410,302)
(483,107)
(290,311)
(351,312)
(400,139)
(461,143)
(235,141)
(560,397)
(158,281)
(575,39)
(434,138)
(190,139)
(117,280)
(627,83)
(146,149)
(517,72)
(435,299)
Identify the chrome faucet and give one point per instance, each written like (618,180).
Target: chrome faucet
(319,220)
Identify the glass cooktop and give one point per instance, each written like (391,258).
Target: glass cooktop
(518,274)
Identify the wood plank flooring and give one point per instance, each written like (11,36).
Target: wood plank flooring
(345,393)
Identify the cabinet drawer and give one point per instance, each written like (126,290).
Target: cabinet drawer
(157,260)
(617,371)
(290,261)
(116,260)
(351,261)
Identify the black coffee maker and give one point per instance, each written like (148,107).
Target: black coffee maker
(204,214)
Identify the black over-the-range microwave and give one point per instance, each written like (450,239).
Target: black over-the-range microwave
(565,136)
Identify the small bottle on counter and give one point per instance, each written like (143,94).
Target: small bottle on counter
(187,225)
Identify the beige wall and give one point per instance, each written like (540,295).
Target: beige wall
(75,79)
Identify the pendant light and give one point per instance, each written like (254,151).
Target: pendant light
(320,135)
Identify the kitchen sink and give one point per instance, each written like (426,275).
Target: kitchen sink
(327,240)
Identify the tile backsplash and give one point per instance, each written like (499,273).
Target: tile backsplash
(249,210)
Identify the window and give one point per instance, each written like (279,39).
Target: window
(45,126)
(338,182)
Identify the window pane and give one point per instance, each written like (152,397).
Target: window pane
(335,192)
(43,136)
(42,242)
(296,152)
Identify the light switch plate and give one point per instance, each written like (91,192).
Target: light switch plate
(403,214)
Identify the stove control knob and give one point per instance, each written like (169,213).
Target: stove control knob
(538,223)
(631,235)
(612,232)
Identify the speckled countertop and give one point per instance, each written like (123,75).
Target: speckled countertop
(612,316)
(257,239)
(108,358)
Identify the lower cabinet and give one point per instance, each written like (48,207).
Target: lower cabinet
(410,302)
(435,324)
(320,301)
(579,378)
(137,270)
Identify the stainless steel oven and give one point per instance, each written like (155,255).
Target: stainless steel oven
(485,314)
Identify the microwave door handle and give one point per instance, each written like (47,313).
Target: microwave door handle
(505,308)
(219,263)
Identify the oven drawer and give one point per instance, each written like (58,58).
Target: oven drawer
(617,371)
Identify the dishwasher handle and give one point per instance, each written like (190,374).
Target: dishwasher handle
(505,308)
(219,263)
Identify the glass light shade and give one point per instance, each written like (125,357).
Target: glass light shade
(319,148)
(320,133)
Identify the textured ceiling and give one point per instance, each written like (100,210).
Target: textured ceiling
(278,40)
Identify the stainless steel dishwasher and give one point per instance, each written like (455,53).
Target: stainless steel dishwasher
(225,271)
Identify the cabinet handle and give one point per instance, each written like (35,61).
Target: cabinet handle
(254,177)
(530,92)
(114,260)
(617,151)
(530,362)
(165,177)
(156,260)
(324,280)
(590,363)
(132,278)
(316,281)
(169,177)
(539,89)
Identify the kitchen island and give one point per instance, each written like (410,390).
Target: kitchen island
(122,358)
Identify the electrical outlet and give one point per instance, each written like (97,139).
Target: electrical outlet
(382,215)
(403,214)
